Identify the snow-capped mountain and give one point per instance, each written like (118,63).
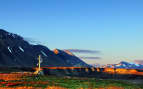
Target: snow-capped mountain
(122,64)
(128,65)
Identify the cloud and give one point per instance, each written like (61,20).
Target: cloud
(139,61)
(83,51)
(32,41)
(93,58)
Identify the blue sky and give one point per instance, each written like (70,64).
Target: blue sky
(113,27)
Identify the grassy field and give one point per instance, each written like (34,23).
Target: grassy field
(69,83)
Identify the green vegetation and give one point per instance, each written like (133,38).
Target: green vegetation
(74,83)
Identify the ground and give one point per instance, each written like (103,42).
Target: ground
(29,81)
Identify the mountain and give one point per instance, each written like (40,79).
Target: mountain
(16,52)
(128,65)
(124,65)
(70,58)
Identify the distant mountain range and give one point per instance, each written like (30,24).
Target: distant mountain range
(129,65)
(122,64)
(16,52)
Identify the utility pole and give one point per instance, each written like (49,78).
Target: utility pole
(39,58)
(38,70)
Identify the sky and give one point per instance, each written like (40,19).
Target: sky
(114,28)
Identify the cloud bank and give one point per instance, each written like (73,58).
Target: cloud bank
(32,41)
(83,51)
(139,61)
(93,58)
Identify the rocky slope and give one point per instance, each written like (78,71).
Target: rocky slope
(70,58)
